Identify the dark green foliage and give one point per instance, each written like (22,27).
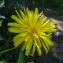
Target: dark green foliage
(6,10)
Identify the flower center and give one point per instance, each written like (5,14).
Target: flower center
(33,30)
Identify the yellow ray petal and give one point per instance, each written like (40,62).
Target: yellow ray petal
(19,41)
(18,15)
(28,47)
(14,30)
(24,46)
(35,35)
(38,42)
(40,14)
(27,37)
(45,47)
(49,30)
(39,51)
(38,48)
(16,19)
(26,42)
(42,20)
(35,16)
(33,50)
(21,22)
(22,14)
(30,41)
(46,22)
(19,36)
(51,24)
(30,16)
(42,34)
(14,24)
(47,40)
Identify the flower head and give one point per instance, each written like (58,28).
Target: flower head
(34,31)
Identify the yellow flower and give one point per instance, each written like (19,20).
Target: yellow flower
(34,31)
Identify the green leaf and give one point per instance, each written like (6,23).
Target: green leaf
(2,3)
(3,61)
(21,57)
(1,38)
(1,22)
(1,19)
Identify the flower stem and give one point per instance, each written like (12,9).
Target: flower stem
(7,50)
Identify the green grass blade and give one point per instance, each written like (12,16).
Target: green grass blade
(21,57)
